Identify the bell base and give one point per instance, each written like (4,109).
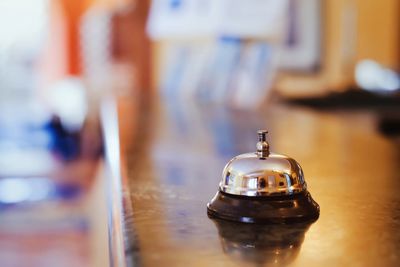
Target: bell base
(298,207)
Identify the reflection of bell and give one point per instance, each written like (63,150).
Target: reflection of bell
(263,187)
(276,244)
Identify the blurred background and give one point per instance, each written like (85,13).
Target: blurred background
(61,59)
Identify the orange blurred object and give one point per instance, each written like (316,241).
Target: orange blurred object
(73,9)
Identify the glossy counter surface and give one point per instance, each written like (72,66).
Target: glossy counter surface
(172,159)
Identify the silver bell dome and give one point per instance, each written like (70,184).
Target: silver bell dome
(262,173)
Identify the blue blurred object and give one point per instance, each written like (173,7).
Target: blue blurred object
(50,134)
(175,4)
(63,142)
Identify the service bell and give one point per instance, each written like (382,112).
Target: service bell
(263,187)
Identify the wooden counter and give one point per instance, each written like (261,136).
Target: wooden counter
(172,155)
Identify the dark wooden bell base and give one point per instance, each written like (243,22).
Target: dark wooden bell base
(277,209)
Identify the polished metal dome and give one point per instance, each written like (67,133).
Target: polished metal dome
(262,173)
